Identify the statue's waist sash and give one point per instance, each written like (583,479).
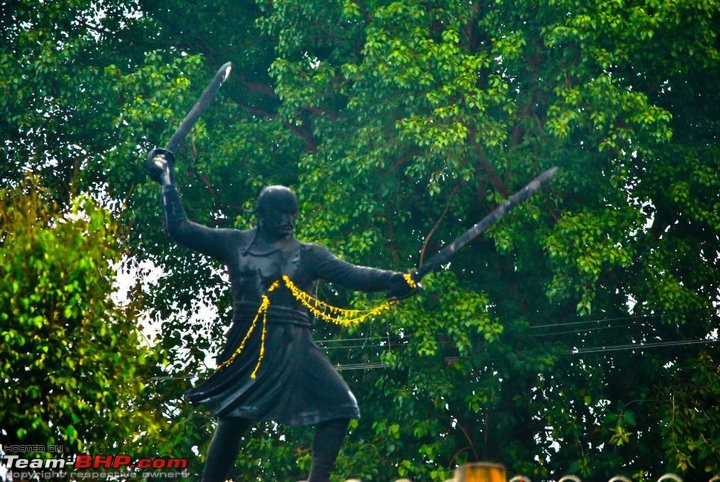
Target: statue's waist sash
(279,315)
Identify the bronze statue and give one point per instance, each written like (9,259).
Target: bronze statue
(270,368)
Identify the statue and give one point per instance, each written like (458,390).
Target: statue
(270,368)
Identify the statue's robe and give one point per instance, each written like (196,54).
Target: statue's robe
(295,383)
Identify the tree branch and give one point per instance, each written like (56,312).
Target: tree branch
(437,223)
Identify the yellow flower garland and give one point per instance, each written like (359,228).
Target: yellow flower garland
(333,314)
(262,311)
(410,281)
(320,309)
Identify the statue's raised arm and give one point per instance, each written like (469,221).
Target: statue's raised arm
(214,242)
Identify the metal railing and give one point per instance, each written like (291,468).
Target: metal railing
(488,472)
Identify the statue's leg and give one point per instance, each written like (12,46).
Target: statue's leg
(224,448)
(325,448)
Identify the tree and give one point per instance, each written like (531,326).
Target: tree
(74,365)
(559,340)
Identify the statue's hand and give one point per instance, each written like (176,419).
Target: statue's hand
(159,164)
(403,286)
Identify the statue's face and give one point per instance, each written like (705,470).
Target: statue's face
(277,211)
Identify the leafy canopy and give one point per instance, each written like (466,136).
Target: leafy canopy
(575,336)
(73,358)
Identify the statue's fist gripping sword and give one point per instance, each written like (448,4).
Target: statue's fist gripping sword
(517,198)
(159,161)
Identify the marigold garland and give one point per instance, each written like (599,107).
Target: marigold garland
(325,311)
(333,314)
(410,281)
(262,311)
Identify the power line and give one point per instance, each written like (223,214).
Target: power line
(389,343)
(642,346)
(361,366)
(574,351)
(601,320)
(352,347)
(577,332)
(360,341)
(335,340)
(380,343)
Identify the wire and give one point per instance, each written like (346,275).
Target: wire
(575,351)
(358,342)
(577,332)
(351,347)
(641,346)
(396,342)
(335,340)
(585,322)
(361,366)
(378,343)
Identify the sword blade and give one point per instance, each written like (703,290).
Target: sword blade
(205,98)
(519,197)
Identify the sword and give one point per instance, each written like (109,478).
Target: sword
(205,98)
(517,198)
(156,171)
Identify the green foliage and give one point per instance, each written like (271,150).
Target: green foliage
(690,423)
(74,364)
(400,124)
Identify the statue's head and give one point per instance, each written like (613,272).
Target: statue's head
(277,209)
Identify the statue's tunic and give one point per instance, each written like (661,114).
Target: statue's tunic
(295,384)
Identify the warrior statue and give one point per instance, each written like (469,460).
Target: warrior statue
(274,371)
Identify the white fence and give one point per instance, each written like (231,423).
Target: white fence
(483,472)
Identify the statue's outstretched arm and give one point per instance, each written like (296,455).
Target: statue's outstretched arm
(362,278)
